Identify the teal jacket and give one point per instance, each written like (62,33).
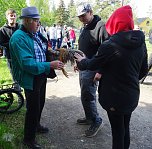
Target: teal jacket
(24,65)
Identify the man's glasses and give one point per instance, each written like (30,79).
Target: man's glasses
(36,20)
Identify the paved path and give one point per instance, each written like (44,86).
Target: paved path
(63,107)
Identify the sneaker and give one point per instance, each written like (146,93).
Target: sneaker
(84,121)
(42,129)
(93,130)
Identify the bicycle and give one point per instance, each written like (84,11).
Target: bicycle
(149,68)
(11,98)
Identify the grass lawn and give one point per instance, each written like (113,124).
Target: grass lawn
(5,76)
(11,130)
(11,126)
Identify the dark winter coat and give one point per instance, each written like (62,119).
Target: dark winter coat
(91,36)
(123,59)
(5,34)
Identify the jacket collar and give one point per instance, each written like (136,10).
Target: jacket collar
(31,35)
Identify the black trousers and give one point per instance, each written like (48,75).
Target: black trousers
(35,100)
(120,130)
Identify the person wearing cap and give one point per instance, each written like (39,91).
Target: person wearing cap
(28,52)
(123,59)
(6,32)
(93,33)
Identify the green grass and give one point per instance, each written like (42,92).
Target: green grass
(5,76)
(6,138)
(11,126)
(149,47)
(11,130)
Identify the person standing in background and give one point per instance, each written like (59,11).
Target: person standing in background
(66,38)
(6,32)
(43,31)
(93,33)
(59,36)
(53,36)
(72,36)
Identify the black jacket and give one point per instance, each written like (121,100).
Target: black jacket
(123,59)
(91,36)
(5,34)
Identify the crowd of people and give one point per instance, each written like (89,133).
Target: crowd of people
(114,60)
(59,36)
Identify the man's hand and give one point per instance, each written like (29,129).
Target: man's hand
(57,65)
(97,77)
(78,57)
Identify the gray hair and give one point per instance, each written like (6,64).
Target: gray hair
(23,20)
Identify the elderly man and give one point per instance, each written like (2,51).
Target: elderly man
(93,33)
(28,52)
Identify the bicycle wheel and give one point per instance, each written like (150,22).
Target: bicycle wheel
(149,68)
(10,101)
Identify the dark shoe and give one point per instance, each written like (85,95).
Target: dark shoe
(84,121)
(31,144)
(93,130)
(42,129)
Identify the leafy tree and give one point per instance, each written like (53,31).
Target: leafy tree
(62,14)
(104,8)
(17,5)
(53,6)
(44,10)
(73,20)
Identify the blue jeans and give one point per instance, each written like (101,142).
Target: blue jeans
(53,43)
(72,41)
(88,95)
(59,42)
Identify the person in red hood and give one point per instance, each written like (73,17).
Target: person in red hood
(123,62)
(120,20)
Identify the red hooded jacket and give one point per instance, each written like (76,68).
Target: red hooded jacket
(120,20)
